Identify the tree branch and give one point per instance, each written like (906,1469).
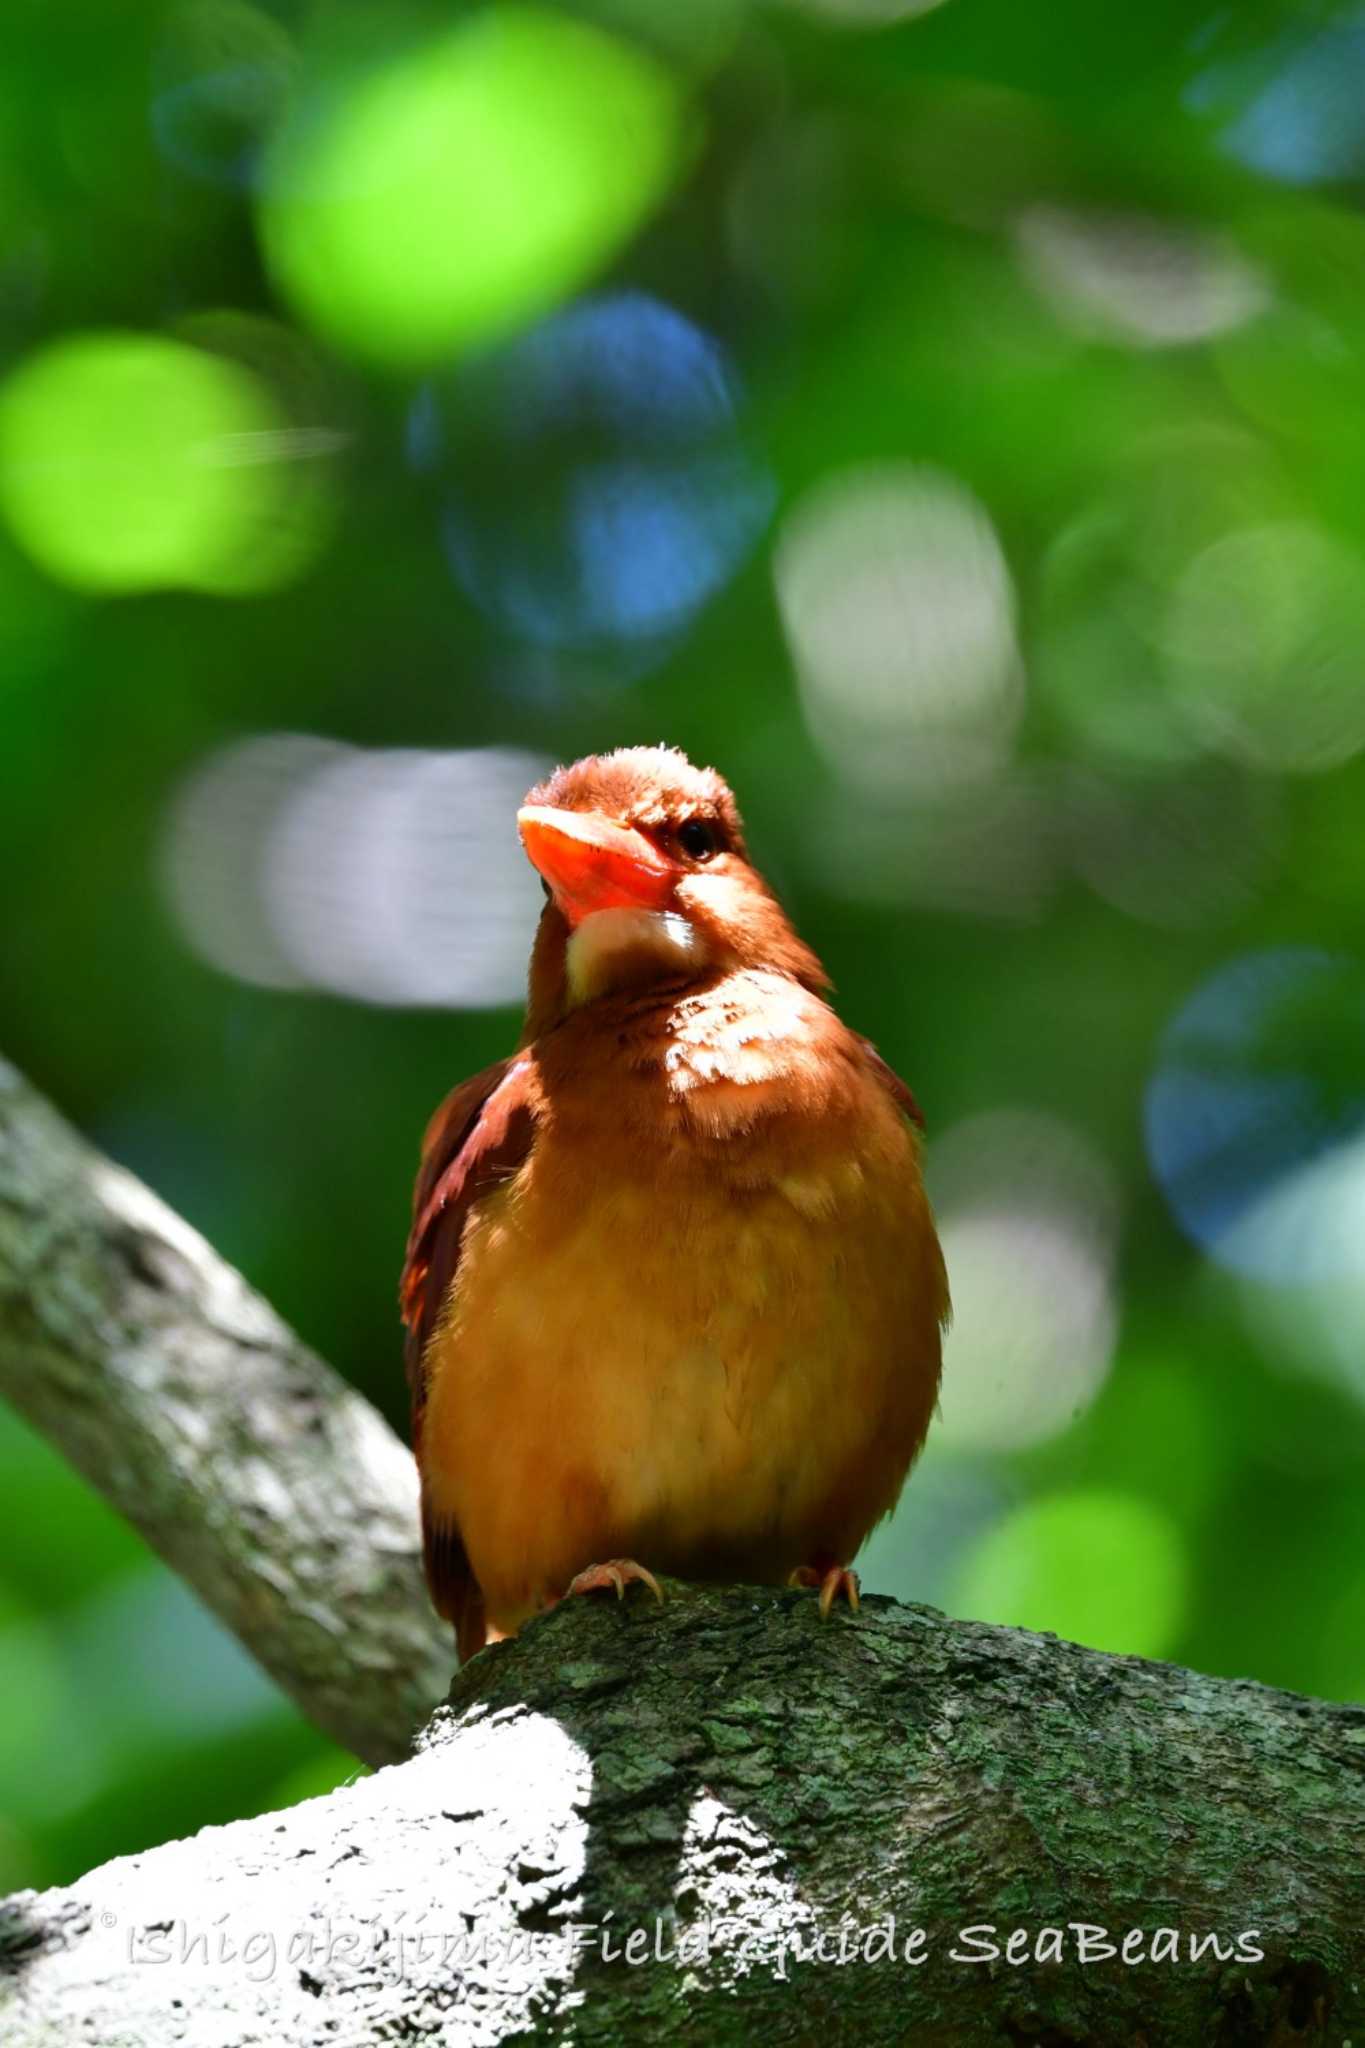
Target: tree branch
(738,1782)
(272,1487)
(723,1797)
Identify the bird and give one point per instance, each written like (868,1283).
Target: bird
(673,1292)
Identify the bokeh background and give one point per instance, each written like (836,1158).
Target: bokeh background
(950,421)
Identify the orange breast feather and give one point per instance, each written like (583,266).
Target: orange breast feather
(683,1306)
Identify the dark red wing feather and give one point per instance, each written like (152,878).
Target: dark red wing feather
(478,1138)
(900,1093)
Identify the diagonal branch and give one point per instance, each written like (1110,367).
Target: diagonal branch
(274,1489)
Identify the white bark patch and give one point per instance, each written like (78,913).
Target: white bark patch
(734,1890)
(436,1895)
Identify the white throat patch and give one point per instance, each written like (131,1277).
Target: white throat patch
(608,947)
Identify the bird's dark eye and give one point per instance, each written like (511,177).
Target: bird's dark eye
(697,839)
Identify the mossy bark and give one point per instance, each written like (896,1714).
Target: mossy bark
(750,1794)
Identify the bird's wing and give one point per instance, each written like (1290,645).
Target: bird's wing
(478,1138)
(899,1091)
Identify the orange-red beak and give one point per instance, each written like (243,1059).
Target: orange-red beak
(592,864)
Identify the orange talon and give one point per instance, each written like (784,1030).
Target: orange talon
(618,1573)
(832,1583)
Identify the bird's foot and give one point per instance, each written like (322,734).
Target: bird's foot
(614,1576)
(835,1581)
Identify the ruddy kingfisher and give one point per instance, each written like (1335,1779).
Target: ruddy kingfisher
(673,1292)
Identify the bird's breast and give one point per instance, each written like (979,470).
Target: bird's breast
(700,1327)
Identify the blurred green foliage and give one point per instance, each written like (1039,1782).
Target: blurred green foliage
(961,443)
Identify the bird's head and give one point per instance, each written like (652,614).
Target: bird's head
(647,880)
